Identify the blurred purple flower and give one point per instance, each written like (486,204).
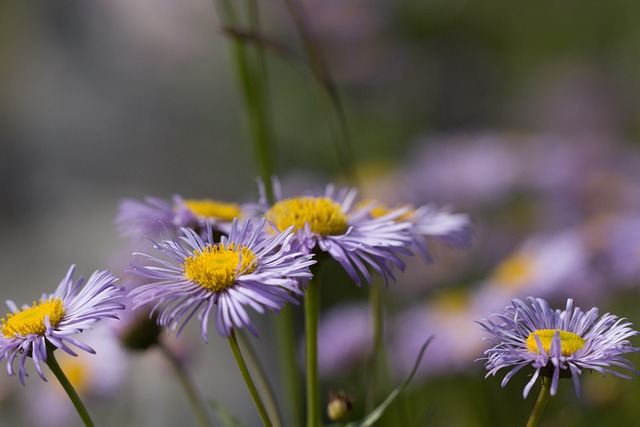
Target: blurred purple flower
(548,265)
(345,338)
(465,169)
(455,344)
(152,216)
(618,240)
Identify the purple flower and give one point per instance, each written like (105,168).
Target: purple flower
(246,268)
(34,330)
(330,223)
(152,216)
(556,343)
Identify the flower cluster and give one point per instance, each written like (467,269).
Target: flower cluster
(257,263)
(263,261)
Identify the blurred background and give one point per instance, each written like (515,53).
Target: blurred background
(526,116)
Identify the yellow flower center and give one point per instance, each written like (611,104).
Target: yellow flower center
(569,342)
(31,320)
(214,209)
(514,271)
(452,301)
(325,216)
(216,267)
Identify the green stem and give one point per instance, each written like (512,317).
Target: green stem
(261,380)
(196,401)
(378,372)
(543,397)
(257,401)
(311,313)
(285,336)
(71,392)
(377,354)
(253,84)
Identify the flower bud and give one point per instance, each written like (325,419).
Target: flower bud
(340,404)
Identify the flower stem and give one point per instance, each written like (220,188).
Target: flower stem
(543,397)
(311,313)
(378,369)
(261,380)
(257,401)
(252,77)
(377,354)
(285,336)
(197,404)
(71,392)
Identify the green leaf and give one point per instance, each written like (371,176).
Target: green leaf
(375,415)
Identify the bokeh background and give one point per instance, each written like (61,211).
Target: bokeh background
(524,115)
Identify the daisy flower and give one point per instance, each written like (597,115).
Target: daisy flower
(557,343)
(246,268)
(330,223)
(49,324)
(152,216)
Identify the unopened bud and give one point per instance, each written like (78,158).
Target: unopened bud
(340,404)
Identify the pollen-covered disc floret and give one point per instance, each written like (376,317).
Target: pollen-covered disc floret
(556,343)
(216,266)
(249,267)
(33,331)
(329,222)
(570,343)
(324,216)
(208,208)
(31,320)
